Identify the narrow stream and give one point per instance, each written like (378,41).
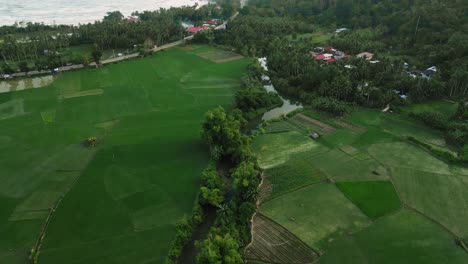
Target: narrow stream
(287,107)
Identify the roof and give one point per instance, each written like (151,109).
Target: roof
(366,55)
(330,49)
(330,60)
(196,29)
(320,57)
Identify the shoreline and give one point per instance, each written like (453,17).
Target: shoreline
(78,14)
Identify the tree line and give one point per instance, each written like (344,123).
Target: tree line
(34,46)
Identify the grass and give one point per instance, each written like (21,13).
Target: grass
(441,197)
(364,223)
(441,106)
(295,173)
(375,199)
(135,185)
(275,149)
(404,237)
(405,155)
(315,214)
(342,167)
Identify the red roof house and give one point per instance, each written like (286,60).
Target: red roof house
(330,59)
(196,29)
(211,22)
(320,57)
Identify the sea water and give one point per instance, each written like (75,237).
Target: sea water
(73,12)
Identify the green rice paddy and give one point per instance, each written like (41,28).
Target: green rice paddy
(127,193)
(381,199)
(315,213)
(404,237)
(375,199)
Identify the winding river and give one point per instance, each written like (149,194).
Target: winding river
(287,107)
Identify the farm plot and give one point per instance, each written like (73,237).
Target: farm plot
(220,56)
(276,148)
(404,237)
(400,154)
(342,167)
(134,185)
(273,243)
(375,199)
(441,197)
(316,214)
(278,127)
(312,124)
(295,173)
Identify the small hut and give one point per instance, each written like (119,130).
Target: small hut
(314,135)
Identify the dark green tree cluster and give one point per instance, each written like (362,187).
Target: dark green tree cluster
(453,126)
(222,132)
(212,189)
(231,232)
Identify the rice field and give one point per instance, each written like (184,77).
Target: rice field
(315,214)
(375,199)
(126,194)
(272,243)
(403,237)
(379,199)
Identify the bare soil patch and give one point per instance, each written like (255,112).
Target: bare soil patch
(327,128)
(350,126)
(81,94)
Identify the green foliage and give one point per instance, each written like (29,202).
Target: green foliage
(253,99)
(330,105)
(97,54)
(212,189)
(219,248)
(433,119)
(246,180)
(114,16)
(222,133)
(443,154)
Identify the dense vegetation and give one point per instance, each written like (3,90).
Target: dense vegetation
(405,35)
(37,46)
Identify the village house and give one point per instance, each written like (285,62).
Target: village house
(194,30)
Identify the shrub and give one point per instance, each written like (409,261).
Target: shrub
(433,119)
(330,105)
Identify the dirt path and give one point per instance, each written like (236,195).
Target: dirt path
(350,126)
(327,128)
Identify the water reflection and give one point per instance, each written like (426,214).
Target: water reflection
(22,84)
(287,107)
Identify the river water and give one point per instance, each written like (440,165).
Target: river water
(287,107)
(77,11)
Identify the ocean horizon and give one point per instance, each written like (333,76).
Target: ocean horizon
(74,12)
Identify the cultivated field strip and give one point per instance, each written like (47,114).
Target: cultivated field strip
(274,244)
(278,127)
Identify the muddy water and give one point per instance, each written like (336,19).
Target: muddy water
(23,84)
(287,107)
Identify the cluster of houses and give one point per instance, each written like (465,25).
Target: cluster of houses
(328,54)
(206,25)
(428,73)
